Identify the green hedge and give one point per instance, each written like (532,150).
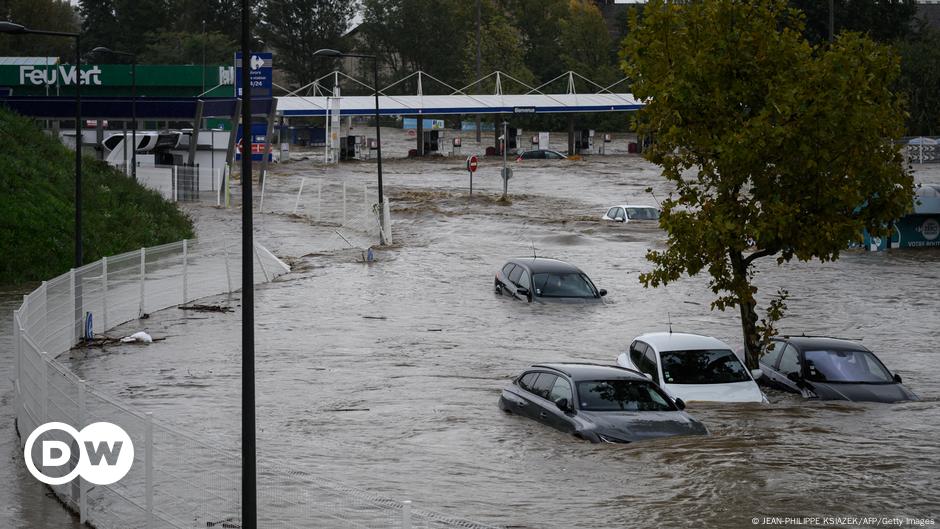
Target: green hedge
(37,190)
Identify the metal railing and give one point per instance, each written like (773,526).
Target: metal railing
(177,480)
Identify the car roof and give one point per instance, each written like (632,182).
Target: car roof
(681,341)
(579,371)
(544,264)
(823,342)
(633,206)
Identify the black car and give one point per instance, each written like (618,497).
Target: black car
(545,280)
(602,404)
(541,154)
(830,369)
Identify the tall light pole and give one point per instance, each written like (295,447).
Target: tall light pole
(378,130)
(10,27)
(102,49)
(249,464)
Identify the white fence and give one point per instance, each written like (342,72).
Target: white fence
(177,480)
(183,183)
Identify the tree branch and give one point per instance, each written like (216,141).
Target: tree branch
(758,254)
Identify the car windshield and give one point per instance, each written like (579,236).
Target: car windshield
(563,285)
(642,213)
(622,395)
(845,366)
(707,366)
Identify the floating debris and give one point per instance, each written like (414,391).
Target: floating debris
(206,308)
(140,336)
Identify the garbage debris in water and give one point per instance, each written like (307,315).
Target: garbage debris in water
(140,336)
(206,308)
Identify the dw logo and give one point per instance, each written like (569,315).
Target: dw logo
(105,453)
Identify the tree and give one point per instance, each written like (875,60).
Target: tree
(53,15)
(408,36)
(296,28)
(920,81)
(775,148)
(539,21)
(173,47)
(587,48)
(882,20)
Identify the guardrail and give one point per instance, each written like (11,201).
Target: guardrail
(177,480)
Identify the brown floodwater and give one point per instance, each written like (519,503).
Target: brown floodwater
(385,376)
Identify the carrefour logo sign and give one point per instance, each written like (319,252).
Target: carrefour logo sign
(60,75)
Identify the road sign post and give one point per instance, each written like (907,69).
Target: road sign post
(472,163)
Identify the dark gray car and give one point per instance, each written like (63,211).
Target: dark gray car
(602,404)
(829,369)
(545,280)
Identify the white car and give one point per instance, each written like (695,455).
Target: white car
(631,213)
(693,367)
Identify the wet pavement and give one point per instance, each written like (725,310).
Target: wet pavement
(385,376)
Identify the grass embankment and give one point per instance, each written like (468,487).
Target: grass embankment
(37,207)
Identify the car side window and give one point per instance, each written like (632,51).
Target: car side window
(789,361)
(619,213)
(526,381)
(636,353)
(650,359)
(553,155)
(543,384)
(514,275)
(524,280)
(507,269)
(612,213)
(772,353)
(560,390)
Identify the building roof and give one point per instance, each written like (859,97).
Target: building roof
(297,106)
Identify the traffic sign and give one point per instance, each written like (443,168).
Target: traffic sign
(472,163)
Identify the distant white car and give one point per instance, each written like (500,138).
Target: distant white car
(693,367)
(631,213)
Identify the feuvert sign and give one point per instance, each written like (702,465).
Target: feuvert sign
(116,79)
(62,75)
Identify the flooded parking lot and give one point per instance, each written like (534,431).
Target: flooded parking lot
(385,376)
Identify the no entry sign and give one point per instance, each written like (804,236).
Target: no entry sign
(472,163)
(471,168)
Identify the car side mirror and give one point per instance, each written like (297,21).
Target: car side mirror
(680,404)
(563,405)
(796,379)
(620,219)
(602,292)
(522,291)
(897,378)
(757,373)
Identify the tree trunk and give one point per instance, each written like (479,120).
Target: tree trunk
(747,305)
(751,338)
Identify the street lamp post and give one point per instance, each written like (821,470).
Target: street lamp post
(10,27)
(378,130)
(102,49)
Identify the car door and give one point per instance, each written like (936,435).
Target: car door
(768,360)
(520,400)
(789,363)
(611,213)
(644,358)
(556,417)
(514,277)
(541,389)
(503,278)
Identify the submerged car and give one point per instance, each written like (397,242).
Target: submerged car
(541,154)
(602,404)
(693,367)
(545,280)
(630,213)
(830,369)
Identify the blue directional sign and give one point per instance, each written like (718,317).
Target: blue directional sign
(260,75)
